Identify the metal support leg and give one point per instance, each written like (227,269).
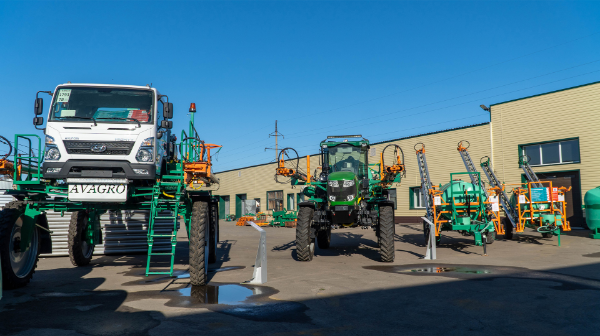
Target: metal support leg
(431,252)
(260,266)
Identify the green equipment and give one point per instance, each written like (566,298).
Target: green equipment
(179,190)
(458,205)
(229,218)
(348,192)
(280,218)
(592,211)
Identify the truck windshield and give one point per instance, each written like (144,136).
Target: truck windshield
(348,158)
(105,105)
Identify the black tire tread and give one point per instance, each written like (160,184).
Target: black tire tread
(76,229)
(198,226)
(8,215)
(303,239)
(386,233)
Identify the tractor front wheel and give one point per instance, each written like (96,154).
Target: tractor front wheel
(199,243)
(324,238)
(305,244)
(386,233)
(18,265)
(80,250)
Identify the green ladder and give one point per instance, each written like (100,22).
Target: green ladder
(173,182)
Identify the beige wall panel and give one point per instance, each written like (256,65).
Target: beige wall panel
(565,114)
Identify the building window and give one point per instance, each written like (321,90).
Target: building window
(417,201)
(275,200)
(290,202)
(550,153)
(391,196)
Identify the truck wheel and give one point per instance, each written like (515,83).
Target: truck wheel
(324,238)
(490,237)
(305,245)
(508,229)
(386,233)
(80,251)
(214,233)
(18,265)
(198,243)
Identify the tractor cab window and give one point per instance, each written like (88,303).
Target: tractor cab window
(347,158)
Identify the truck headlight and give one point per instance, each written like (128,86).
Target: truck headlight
(349,183)
(144,155)
(332,198)
(350,198)
(50,140)
(52,154)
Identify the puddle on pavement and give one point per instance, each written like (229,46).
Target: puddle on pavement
(244,301)
(490,273)
(186,275)
(450,269)
(141,272)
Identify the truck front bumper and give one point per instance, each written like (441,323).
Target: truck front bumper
(100,169)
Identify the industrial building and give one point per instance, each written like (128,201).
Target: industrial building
(557,130)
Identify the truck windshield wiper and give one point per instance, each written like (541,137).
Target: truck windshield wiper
(74,117)
(137,121)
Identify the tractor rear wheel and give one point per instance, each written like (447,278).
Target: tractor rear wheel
(18,265)
(198,243)
(386,233)
(324,238)
(490,237)
(80,251)
(305,244)
(508,229)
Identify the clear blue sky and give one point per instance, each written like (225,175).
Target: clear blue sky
(383,69)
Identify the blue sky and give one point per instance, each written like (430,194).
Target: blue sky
(383,69)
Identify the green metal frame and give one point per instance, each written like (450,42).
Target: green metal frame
(167,195)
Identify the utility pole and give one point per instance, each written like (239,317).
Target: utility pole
(275,134)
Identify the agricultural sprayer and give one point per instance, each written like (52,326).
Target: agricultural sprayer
(348,192)
(458,205)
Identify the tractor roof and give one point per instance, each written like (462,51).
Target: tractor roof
(353,140)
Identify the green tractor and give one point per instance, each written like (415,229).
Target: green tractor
(348,192)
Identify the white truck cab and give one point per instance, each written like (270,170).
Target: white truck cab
(100,131)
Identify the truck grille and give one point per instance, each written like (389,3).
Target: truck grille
(112,147)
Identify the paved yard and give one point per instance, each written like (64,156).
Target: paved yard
(528,285)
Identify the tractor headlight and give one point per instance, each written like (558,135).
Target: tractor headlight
(334,184)
(332,198)
(144,155)
(52,154)
(350,198)
(349,183)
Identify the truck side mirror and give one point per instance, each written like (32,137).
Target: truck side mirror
(166,124)
(37,121)
(168,110)
(39,106)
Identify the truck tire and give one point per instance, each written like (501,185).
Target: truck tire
(324,238)
(17,266)
(386,233)
(508,229)
(80,252)
(198,243)
(214,234)
(305,245)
